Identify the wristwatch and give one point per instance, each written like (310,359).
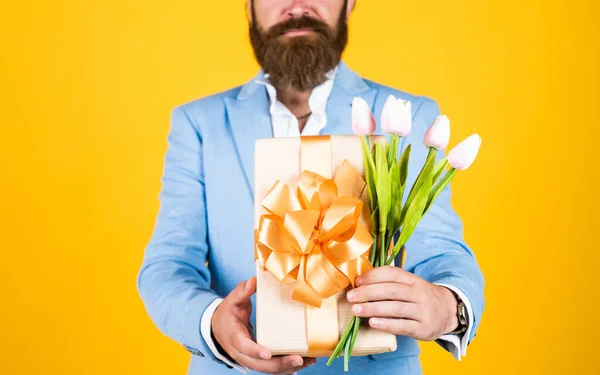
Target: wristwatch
(463,316)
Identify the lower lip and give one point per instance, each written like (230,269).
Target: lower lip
(298,32)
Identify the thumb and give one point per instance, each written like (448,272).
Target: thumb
(246,289)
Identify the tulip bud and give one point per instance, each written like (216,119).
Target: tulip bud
(396,116)
(463,155)
(438,134)
(363,122)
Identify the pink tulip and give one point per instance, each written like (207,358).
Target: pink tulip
(396,117)
(438,134)
(363,122)
(463,155)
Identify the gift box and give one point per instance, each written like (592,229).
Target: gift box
(301,305)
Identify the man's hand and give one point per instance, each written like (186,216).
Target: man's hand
(231,328)
(402,303)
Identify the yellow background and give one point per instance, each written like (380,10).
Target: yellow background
(86,92)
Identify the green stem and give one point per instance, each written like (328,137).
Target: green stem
(350,341)
(373,251)
(354,334)
(347,353)
(388,240)
(342,342)
(393,255)
(382,254)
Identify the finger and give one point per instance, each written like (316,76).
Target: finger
(277,364)
(387,309)
(242,293)
(382,292)
(251,331)
(402,327)
(244,345)
(308,361)
(386,274)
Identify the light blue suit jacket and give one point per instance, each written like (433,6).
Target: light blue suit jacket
(202,245)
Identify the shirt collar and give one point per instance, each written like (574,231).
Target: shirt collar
(317,101)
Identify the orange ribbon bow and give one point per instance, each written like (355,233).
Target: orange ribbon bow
(314,237)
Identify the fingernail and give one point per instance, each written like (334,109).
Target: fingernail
(264,355)
(296,363)
(358,281)
(357,309)
(351,294)
(374,322)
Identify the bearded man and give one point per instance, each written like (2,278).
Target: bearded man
(196,279)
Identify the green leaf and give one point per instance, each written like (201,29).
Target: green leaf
(383,186)
(375,221)
(437,190)
(388,152)
(403,164)
(404,159)
(424,176)
(396,200)
(392,149)
(414,213)
(370,172)
(439,169)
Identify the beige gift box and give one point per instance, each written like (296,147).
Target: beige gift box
(281,323)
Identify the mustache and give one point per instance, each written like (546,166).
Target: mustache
(298,23)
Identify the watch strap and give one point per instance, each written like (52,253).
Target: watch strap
(462,315)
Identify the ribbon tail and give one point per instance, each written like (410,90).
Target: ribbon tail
(355,268)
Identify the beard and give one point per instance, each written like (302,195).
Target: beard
(302,62)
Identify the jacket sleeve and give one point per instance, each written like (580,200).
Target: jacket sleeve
(174,280)
(437,251)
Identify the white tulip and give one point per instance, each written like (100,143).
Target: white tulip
(363,122)
(438,134)
(463,155)
(396,117)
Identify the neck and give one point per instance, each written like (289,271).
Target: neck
(296,101)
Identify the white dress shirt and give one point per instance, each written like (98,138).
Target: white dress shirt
(285,124)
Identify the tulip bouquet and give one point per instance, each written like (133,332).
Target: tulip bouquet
(386,173)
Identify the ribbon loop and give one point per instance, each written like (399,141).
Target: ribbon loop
(280,200)
(316,232)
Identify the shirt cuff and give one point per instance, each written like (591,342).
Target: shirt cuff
(457,344)
(205,330)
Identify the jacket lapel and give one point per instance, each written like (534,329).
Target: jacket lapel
(249,119)
(347,86)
